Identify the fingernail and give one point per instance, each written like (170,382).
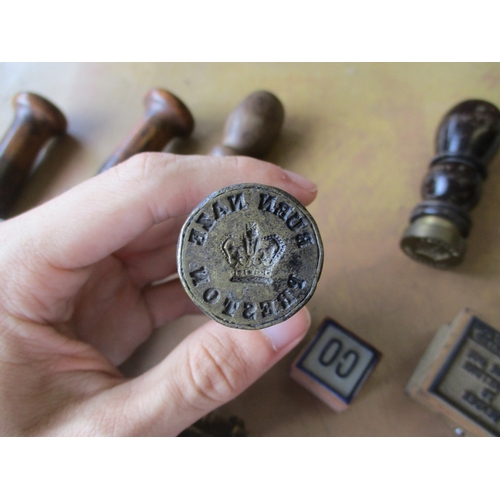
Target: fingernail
(289,331)
(301,181)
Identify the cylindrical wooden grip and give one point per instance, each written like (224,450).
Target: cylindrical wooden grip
(253,127)
(166,117)
(469,133)
(36,121)
(467,139)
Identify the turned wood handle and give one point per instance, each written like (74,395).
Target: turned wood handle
(253,127)
(36,121)
(469,132)
(467,139)
(166,117)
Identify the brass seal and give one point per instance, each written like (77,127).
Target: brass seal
(434,241)
(250,256)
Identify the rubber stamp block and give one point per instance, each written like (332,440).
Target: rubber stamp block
(335,365)
(459,375)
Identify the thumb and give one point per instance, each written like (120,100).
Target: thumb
(209,368)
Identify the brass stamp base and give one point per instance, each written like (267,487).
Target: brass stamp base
(433,241)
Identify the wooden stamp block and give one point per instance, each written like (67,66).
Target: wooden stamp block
(459,375)
(334,365)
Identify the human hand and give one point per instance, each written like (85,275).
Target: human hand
(77,297)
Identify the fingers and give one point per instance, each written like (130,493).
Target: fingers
(162,234)
(103,214)
(152,265)
(167,302)
(209,368)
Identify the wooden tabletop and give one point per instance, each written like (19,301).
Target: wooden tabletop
(365,134)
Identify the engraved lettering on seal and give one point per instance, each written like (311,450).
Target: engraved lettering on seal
(249,310)
(295,282)
(197,237)
(206,221)
(211,296)
(286,299)
(199,276)
(283,211)
(237,202)
(305,239)
(267,202)
(268,308)
(295,222)
(230,307)
(292,218)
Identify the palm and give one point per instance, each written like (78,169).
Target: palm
(110,311)
(112,304)
(106,310)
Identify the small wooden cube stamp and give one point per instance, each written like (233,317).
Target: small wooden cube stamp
(459,375)
(335,365)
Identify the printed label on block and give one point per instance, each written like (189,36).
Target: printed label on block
(470,380)
(338,360)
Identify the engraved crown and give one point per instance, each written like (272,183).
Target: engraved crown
(252,256)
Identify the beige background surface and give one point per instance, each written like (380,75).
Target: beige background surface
(364,133)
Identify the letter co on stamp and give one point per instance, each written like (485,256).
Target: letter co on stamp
(250,256)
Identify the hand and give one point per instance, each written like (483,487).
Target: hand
(77,296)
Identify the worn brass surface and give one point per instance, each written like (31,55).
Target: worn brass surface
(250,256)
(434,241)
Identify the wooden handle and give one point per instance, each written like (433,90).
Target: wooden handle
(253,127)
(166,117)
(36,121)
(469,133)
(467,139)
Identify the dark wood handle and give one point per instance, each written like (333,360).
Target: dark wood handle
(166,117)
(469,132)
(467,139)
(36,121)
(253,127)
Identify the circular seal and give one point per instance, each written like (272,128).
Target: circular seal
(431,251)
(434,241)
(250,256)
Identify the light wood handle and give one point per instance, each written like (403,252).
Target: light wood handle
(166,117)
(253,127)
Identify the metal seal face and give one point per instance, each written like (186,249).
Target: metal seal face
(250,256)
(434,241)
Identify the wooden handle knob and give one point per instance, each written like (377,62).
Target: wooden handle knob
(469,133)
(253,127)
(166,117)
(36,121)
(467,139)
